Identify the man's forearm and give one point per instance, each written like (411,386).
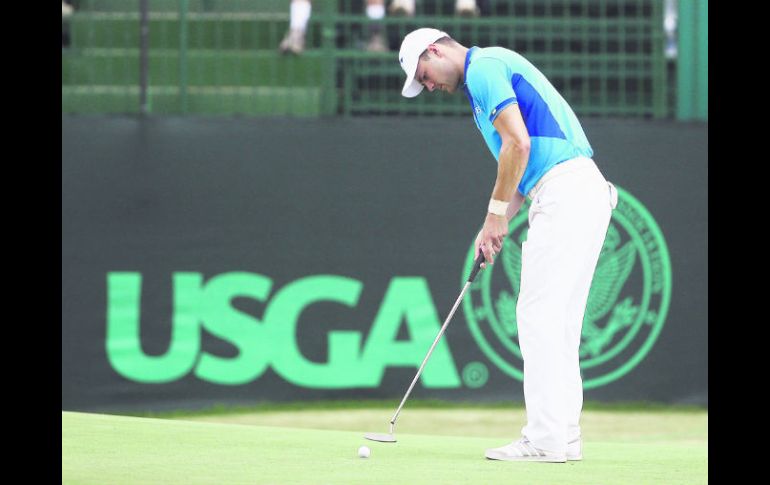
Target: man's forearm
(512,162)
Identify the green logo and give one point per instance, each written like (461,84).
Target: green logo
(273,338)
(627,304)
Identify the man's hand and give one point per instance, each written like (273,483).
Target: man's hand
(490,239)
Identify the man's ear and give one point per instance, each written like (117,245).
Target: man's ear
(433,49)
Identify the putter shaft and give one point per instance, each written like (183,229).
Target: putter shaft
(425,360)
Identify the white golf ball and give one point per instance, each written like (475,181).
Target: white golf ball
(364,452)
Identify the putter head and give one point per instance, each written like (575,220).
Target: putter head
(381,437)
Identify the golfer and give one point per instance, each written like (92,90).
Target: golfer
(542,153)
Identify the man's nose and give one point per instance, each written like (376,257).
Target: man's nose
(430,85)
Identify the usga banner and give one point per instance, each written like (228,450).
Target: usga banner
(220,262)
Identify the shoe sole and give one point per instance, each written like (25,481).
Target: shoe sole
(548,459)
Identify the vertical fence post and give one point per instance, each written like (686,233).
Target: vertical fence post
(328,61)
(183,4)
(692,61)
(144,28)
(659,70)
(702,111)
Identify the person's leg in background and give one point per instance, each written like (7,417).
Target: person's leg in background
(466,8)
(66,13)
(401,8)
(375,12)
(485,8)
(299,15)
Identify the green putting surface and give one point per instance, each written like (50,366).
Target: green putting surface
(98,448)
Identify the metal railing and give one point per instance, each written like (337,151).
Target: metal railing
(606,57)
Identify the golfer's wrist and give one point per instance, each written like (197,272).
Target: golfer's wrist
(498,207)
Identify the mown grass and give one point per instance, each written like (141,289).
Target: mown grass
(100,448)
(331,405)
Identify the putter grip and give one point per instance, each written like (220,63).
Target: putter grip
(476,267)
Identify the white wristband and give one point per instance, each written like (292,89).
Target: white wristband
(497,207)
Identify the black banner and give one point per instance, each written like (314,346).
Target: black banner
(233,261)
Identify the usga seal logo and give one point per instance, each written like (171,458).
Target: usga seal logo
(626,308)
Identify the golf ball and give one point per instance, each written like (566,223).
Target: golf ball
(364,452)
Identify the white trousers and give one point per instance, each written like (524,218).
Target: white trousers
(568,220)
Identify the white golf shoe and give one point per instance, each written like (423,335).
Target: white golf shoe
(575,449)
(523,450)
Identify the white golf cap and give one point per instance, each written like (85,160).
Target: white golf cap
(413,45)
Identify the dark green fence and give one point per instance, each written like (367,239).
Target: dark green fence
(221,56)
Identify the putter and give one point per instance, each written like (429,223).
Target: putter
(390,437)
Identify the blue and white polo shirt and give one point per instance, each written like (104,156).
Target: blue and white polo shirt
(495,78)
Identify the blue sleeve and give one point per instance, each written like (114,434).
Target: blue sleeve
(489,83)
